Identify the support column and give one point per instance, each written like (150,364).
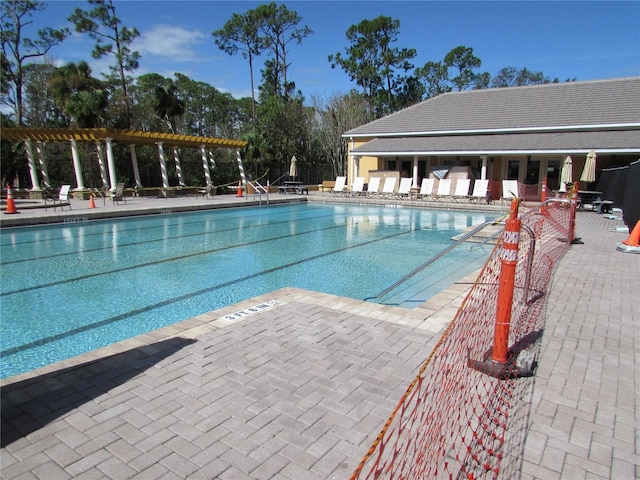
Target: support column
(212,162)
(33,171)
(483,168)
(103,167)
(43,165)
(111,164)
(241,168)
(354,170)
(176,158)
(134,164)
(163,166)
(415,172)
(76,165)
(205,164)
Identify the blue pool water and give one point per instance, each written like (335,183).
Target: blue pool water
(68,289)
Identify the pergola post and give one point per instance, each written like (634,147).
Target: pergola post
(43,165)
(134,164)
(241,167)
(212,162)
(176,158)
(77,166)
(205,164)
(33,171)
(103,168)
(111,164)
(163,166)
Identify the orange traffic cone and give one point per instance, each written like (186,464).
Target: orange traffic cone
(634,236)
(631,244)
(11,204)
(239,188)
(92,204)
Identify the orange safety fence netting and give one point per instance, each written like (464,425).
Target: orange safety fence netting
(455,421)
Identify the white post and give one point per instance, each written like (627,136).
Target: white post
(176,157)
(163,166)
(134,164)
(241,168)
(76,164)
(33,171)
(103,167)
(355,169)
(205,164)
(43,165)
(212,162)
(483,169)
(111,164)
(415,171)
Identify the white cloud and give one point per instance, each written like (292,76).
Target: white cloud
(171,42)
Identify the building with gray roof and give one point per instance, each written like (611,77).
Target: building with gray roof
(519,133)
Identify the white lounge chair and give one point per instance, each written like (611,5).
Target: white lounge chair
(61,200)
(444,189)
(480,188)
(426,188)
(340,188)
(389,187)
(404,190)
(358,186)
(461,193)
(373,187)
(509,190)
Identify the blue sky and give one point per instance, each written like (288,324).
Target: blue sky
(583,39)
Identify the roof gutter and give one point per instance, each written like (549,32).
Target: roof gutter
(495,152)
(613,126)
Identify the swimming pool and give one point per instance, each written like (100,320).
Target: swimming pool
(68,289)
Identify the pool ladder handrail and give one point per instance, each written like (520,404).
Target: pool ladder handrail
(436,257)
(260,190)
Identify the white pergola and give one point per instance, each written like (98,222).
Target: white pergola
(103,139)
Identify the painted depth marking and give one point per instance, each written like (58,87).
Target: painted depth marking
(251,310)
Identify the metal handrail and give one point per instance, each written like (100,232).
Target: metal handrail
(436,257)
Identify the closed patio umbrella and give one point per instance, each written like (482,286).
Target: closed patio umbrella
(293,168)
(589,170)
(567,174)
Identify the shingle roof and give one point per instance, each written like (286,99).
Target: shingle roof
(550,106)
(610,141)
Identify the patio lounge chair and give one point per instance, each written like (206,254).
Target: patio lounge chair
(444,189)
(340,188)
(389,187)
(426,188)
(509,190)
(358,186)
(480,188)
(118,195)
(404,191)
(461,193)
(374,186)
(61,200)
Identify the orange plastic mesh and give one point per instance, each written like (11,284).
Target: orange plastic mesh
(453,420)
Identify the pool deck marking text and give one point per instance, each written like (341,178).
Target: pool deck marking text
(232,317)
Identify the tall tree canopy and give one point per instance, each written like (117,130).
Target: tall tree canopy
(464,61)
(17,49)
(374,64)
(278,28)
(103,26)
(240,34)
